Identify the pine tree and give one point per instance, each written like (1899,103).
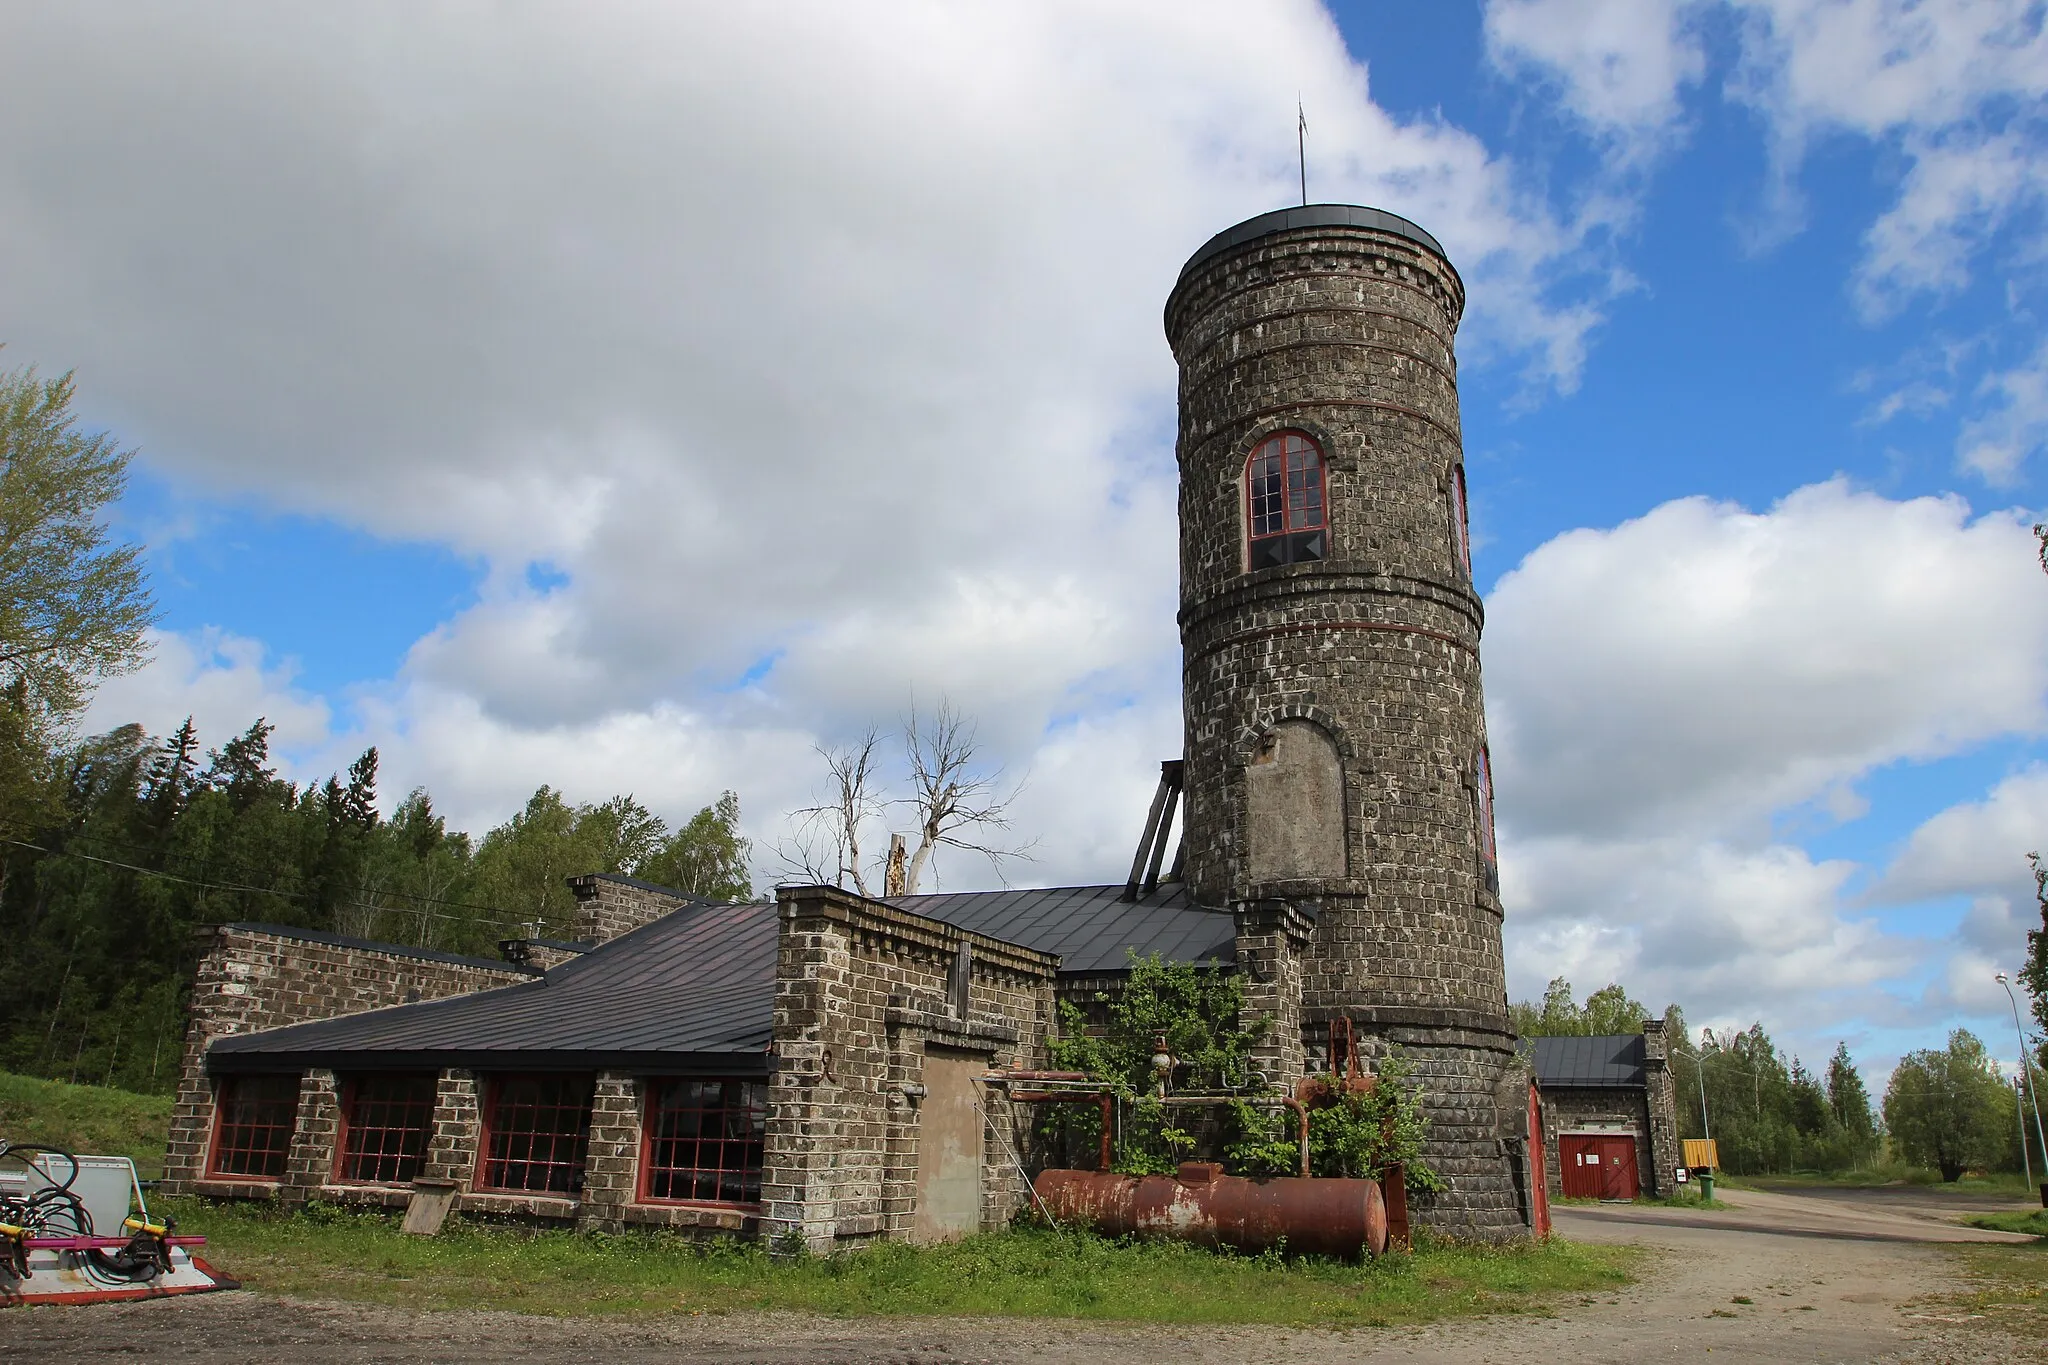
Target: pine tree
(241,768)
(1847,1096)
(170,778)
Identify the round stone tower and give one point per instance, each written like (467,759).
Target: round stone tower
(1336,768)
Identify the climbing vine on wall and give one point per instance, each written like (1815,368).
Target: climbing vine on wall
(1199,1011)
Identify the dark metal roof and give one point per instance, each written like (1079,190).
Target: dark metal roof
(695,990)
(1311,216)
(1605,1060)
(698,983)
(1092,928)
(370,945)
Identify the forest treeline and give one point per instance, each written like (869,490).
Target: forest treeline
(133,843)
(1945,1109)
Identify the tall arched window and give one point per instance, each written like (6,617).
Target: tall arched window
(1482,800)
(1284,490)
(1461,536)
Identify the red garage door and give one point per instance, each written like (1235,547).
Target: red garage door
(1599,1165)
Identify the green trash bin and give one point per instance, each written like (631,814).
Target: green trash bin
(1706,1184)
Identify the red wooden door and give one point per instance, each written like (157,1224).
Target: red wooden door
(1578,1159)
(1617,1157)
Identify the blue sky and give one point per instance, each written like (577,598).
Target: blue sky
(635,404)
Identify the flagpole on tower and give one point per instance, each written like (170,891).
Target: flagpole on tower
(1301,146)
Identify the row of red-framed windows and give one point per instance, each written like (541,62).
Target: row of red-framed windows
(1286,491)
(703,1139)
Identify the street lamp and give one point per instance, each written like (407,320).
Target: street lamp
(2027,1070)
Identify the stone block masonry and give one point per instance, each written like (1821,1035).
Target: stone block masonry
(608,905)
(253,977)
(862,989)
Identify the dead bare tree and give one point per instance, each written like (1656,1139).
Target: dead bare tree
(830,831)
(955,806)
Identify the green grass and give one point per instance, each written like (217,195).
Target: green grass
(333,1253)
(2033,1220)
(86,1118)
(2008,1293)
(1686,1198)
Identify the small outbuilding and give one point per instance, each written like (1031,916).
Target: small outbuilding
(1610,1122)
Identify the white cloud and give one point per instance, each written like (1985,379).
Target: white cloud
(820,333)
(1978,847)
(1956,89)
(222,681)
(1998,443)
(1702,667)
(1732,933)
(1619,65)
(1666,695)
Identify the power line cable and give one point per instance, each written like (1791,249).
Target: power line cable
(501,918)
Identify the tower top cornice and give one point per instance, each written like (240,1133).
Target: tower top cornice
(1313,216)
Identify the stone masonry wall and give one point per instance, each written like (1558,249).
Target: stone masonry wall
(611,1160)
(862,988)
(457,1130)
(1269,941)
(311,1163)
(254,977)
(1665,1151)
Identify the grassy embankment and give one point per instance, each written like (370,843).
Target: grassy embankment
(2028,1220)
(86,1118)
(333,1253)
(1994,1183)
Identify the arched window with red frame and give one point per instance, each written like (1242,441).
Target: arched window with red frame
(1482,800)
(1285,502)
(1461,525)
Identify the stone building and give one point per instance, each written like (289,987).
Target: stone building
(810,1068)
(1610,1118)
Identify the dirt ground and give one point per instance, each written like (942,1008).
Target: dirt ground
(1814,1276)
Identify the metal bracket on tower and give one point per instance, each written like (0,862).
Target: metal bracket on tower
(1158,824)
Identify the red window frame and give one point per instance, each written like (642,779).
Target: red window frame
(1286,501)
(703,1140)
(254,1117)
(1461,522)
(1482,789)
(386,1122)
(536,1133)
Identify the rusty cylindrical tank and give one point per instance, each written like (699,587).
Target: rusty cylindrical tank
(1310,1216)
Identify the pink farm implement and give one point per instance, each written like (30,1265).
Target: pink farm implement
(67,1236)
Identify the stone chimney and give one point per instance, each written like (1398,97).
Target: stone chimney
(1655,1050)
(608,905)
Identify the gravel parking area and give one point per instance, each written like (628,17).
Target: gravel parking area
(1777,1277)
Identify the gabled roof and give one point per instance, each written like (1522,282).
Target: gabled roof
(1615,1060)
(1092,928)
(699,983)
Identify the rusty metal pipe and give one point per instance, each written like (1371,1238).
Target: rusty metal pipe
(1315,1217)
